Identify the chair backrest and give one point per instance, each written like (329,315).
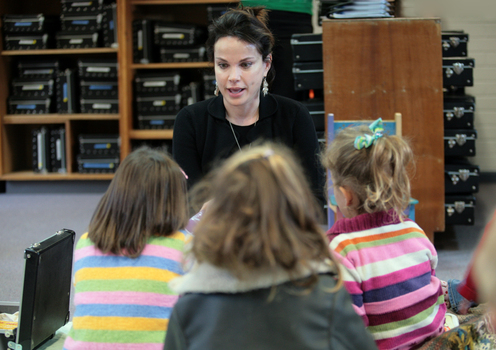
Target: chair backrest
(391,127)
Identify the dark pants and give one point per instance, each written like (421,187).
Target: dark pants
(283,24)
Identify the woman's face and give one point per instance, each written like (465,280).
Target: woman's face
(239,70)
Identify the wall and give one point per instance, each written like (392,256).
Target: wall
(478,19)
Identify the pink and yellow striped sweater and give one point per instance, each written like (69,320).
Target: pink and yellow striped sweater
(389,270)
(124,303)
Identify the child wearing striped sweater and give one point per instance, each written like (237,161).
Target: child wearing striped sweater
(388,262)
(133,248)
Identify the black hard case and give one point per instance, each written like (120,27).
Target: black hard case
(306,47)
(97,164)
(41,150)
(156,121)
(99,106)
(32,41)
(458,71)
(459,209)
(81,23)
(66,87)
(454,43)
(29,105)
(460,176)
(459,111)
(32,87)
(308,75)
(44,306)
(317,111)
(38,23)
(157,105)
(71,40)
(57,150)
(459,142)
(156,83)
(194,54)
(109,26)
(144,50)
(101,68)
(191,93)
(99,144)
(45,69)
(99,88)
(78,7)
(175,34)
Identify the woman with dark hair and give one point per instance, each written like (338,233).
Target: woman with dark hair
(264,277)
(240,47)
(133,247)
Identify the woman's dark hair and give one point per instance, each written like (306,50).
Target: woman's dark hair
(248,24)
(146,197)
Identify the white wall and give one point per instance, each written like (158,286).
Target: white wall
(478,19)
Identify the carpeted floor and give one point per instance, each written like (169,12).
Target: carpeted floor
(29,217)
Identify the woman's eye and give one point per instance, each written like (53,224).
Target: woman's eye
(246,64)
(222,65)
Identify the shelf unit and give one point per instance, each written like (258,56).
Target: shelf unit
(15,141)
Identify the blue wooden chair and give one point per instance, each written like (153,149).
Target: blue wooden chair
(391,127)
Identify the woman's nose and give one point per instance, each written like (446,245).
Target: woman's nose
(234,74)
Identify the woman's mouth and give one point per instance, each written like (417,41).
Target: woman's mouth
(235,91)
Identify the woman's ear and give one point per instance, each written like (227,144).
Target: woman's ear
(268,62)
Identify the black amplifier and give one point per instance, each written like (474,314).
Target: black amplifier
(157,105)
(154,83)
(44,69)
(459,209)
(191,93)
(90,164)
(454,43)
(35,41)
(99,144)
(459,142)
(143,47)
(195,54)
(92,89)
(459,111)
(39,23)
(317,111)
(77,7)
(28,105)
(156,121)
(306,47)
(81,23)
(458,71)
(308,75)
(109,26)
(71,40)
(174,34)
(67,100)
(461,177)
(97,106)
(101,68)
(57,150)
(208,85)
(41,150)
(32,87)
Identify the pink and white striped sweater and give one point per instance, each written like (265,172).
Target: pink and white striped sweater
(389,269)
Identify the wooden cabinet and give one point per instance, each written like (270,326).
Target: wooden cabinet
(15,129)
(378,67)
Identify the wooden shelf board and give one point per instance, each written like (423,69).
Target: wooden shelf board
(58,51)
(54,118)
(176,65)
(32,176)
(180,2)
(150,134)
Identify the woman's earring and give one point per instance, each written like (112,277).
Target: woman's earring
(216,91)
(265,86)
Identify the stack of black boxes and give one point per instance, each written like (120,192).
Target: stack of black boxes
(29,32)
(98,153)
(87,24)
(461,177)
(49,149)
(98,85)
(158,98)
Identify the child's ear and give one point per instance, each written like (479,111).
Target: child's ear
(347,194)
